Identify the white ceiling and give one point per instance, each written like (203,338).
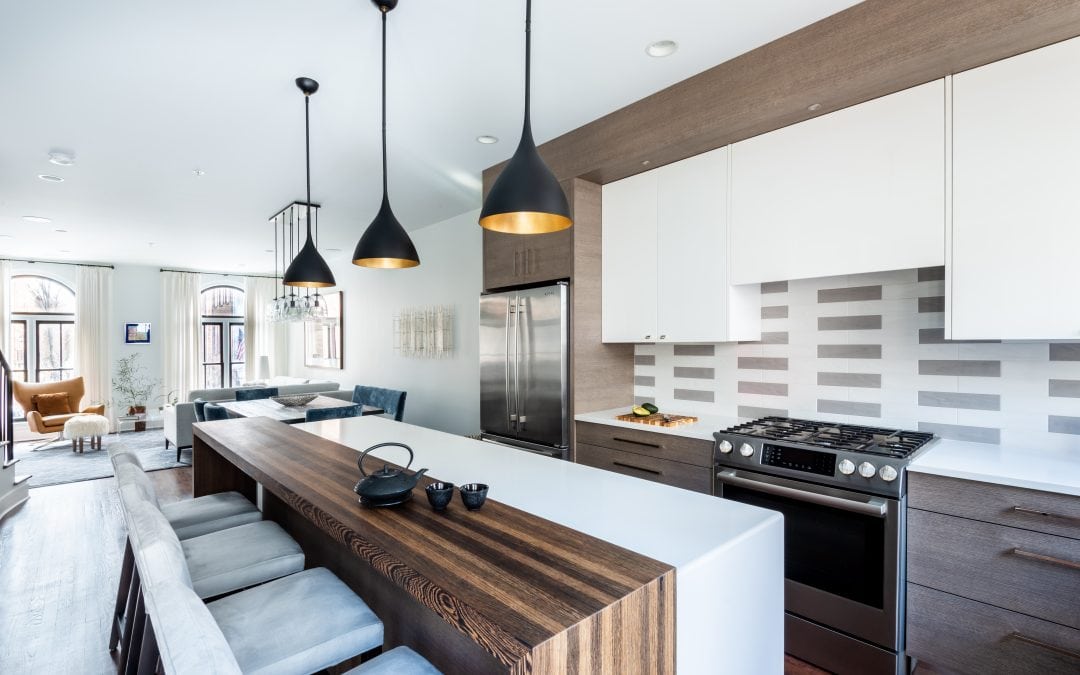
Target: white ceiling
(145,92)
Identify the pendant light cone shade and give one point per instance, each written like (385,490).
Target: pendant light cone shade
(526,197)
(308,269)
(385,243)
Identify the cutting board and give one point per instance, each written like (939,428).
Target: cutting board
(658,419)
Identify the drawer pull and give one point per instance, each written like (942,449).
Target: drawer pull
(1045,514)
(1020,637)
(1045,558)
(627,440)
(639,468)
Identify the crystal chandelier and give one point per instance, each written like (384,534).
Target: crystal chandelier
(294,304)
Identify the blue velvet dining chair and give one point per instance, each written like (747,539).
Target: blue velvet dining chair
(199,404)
(391,401)
(255,393)
(212,411)
(340,412)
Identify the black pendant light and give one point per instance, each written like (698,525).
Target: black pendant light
(308,269)
(385,243)
(526,197)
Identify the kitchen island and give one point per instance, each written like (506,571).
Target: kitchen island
(566,567)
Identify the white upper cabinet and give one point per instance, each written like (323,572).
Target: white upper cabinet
(1015,232)
(858,190)
(665,265)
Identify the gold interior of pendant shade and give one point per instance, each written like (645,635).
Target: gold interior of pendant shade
(309,284)
(525,222)
(386,263)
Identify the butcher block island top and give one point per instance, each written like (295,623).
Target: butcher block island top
(565,569)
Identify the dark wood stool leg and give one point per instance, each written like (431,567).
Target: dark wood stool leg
(122,595)
(130,659)
(129,618)
(148,655)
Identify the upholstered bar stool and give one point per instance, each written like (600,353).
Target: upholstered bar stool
(189,518)
(301,623)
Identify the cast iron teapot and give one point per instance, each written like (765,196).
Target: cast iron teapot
(386,486)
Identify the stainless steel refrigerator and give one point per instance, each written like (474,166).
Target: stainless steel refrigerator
(524,369)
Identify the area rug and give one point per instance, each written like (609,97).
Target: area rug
(56,463)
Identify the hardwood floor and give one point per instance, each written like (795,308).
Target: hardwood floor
(60,556)
(59,564)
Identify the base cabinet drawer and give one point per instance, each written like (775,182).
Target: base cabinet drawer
(956,635)
(686,476)
(1020,570)
(655,444)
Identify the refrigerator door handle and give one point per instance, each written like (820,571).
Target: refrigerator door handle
(522,399)
(506,364)
(516,418)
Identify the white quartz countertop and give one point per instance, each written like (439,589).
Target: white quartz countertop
(669,524)
(1048,470)
(702,429)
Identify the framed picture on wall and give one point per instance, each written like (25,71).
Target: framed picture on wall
(137,333)
(324,340)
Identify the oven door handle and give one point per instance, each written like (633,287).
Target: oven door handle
(873,507)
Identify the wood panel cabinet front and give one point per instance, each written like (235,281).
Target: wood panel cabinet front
(514,259)
(655,444)
(686,476)
(858,190)
(1011,272)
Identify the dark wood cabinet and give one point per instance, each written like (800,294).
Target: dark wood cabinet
(659,457)
(515,260)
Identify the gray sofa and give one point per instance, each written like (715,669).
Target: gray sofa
(180,417)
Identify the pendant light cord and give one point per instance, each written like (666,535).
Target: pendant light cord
(528,59)
(384,188)
(307,156)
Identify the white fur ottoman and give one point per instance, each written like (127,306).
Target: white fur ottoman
(79,427)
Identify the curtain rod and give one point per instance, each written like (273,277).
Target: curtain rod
(220,274)
(56,262)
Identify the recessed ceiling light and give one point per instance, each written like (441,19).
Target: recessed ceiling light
(269,250)
(65,250)
(61,158)
(60,231)
(50,178)
(333,250)
(37,219)
(150,243)
(487,140)
(662,48)
(198,172)
(814,107)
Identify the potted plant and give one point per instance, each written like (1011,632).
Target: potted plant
(132,386)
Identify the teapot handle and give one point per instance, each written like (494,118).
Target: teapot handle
(360,462)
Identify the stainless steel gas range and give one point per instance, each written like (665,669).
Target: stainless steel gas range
(842,491)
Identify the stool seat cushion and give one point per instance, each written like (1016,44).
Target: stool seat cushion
(86,425)
(397,661)
(210,513)
(226,561)
(302,623)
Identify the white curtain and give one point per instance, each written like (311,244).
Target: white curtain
(179,333)
(93,330)
(262,337)
(5,307)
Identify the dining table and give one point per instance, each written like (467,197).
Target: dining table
(266,407)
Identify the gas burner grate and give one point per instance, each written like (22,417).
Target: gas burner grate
(850,437)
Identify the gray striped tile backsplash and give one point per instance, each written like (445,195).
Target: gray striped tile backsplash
(871,349)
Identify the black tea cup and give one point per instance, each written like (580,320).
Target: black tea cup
(473,495)
(439,495)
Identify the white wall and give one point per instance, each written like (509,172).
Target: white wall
(444,393)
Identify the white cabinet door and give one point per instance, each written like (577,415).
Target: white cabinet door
(629,259)
(695,303)
(1015,236)
(858,190)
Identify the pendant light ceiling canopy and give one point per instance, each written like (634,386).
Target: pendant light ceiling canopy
(308,269)
(526,197)
(385,243)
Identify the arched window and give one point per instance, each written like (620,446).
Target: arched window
(42,329)
(223,348)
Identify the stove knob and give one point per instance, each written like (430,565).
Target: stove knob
(867,470)
(746,450)
(725,447)
(887,473)
(847,467)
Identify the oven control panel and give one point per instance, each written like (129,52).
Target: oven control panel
(799,459)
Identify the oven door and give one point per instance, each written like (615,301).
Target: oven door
(841,552)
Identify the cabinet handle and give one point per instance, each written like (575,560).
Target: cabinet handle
(1045,514)
(1021,553)
(517,254)
(639,468)
(528,261)
(663,337)
(648,445)
(648,337)
(1020,637)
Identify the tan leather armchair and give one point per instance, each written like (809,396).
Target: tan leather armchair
(24,392)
